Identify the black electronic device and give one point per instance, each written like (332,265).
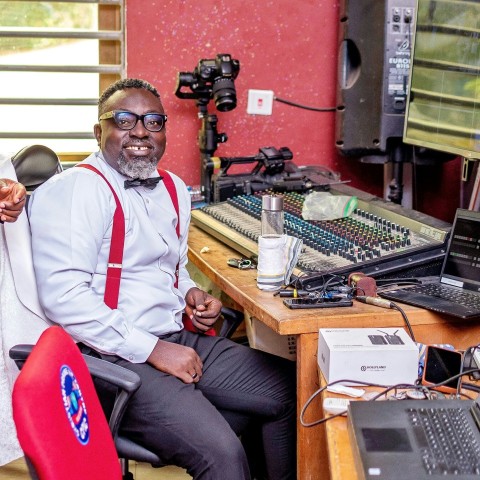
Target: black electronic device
(441,364)
(375,55)
(298,303)
(211,78)
(272,170)
(374,61)
(380,239)
(406,439)
(456,290)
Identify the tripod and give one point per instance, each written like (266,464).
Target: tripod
(208,140)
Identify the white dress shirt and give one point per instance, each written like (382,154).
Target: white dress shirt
(71,221)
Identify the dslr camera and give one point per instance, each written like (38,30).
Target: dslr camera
(211,78)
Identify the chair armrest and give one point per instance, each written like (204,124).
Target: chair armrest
(20,353)
(231,320)
(126,381)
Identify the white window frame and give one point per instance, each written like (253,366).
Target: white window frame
(111,67)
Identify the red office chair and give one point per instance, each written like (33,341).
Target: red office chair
(60,423)
(33,166)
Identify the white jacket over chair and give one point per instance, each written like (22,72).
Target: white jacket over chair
(21,317)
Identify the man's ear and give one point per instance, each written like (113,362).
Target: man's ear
(97,131)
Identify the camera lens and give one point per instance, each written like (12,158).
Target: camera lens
(224,94)
(185,79)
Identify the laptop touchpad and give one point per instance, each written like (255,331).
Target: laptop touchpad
(386,440)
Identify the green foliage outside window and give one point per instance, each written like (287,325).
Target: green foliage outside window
(51,16)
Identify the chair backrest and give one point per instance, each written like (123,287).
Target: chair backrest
(35,164)
(60,423)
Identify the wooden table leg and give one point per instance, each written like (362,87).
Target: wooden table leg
(312,461)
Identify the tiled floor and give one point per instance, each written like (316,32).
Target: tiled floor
(17,470)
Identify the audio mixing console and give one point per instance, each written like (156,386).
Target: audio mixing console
(380,239)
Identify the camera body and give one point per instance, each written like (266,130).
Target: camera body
(211,78)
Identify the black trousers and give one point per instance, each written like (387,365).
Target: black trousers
(195,426)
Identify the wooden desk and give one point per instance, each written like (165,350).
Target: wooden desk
(339,448)
(338,445)
(241,286)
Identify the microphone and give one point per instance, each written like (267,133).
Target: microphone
(379,302)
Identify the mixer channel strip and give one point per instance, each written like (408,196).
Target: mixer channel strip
(372,239)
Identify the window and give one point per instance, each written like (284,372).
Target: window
(55,59)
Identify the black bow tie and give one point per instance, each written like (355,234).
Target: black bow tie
(150,183)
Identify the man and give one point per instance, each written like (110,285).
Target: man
(12,200)
(188,378)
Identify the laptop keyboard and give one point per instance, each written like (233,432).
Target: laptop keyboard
(454,295)
(446,440)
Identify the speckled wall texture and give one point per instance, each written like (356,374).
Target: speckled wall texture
(285,46)
(288,46)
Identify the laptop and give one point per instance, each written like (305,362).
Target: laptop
(456,291)
(415,439)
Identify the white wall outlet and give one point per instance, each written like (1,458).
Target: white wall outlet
(260,102)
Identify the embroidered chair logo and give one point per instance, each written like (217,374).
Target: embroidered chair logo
(74,405)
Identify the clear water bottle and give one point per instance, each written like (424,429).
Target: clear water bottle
(272,215)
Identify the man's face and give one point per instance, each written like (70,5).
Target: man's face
(134,153)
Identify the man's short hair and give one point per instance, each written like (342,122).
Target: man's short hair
(123,85)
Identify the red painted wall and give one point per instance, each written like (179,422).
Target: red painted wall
(286,46)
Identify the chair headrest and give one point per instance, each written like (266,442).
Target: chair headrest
(35,164)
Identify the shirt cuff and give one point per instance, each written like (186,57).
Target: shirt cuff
(138,346)
(185,285)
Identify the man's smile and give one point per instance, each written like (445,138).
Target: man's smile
(137,148)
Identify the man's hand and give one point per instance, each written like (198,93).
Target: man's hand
(202,308)
(178,360)
(12,200)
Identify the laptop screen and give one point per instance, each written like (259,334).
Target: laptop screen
(462,263)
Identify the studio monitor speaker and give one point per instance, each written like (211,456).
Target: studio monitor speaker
(373,70)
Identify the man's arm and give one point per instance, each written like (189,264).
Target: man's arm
(12,200)
(201,307)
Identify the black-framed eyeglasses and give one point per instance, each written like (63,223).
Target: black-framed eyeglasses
(153,122)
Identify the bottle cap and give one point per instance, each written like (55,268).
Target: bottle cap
(272,202)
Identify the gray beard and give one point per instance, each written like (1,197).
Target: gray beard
(139,167)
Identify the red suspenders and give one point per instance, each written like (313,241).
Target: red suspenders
(115,258)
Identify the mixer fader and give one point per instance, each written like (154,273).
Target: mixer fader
(378,238)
